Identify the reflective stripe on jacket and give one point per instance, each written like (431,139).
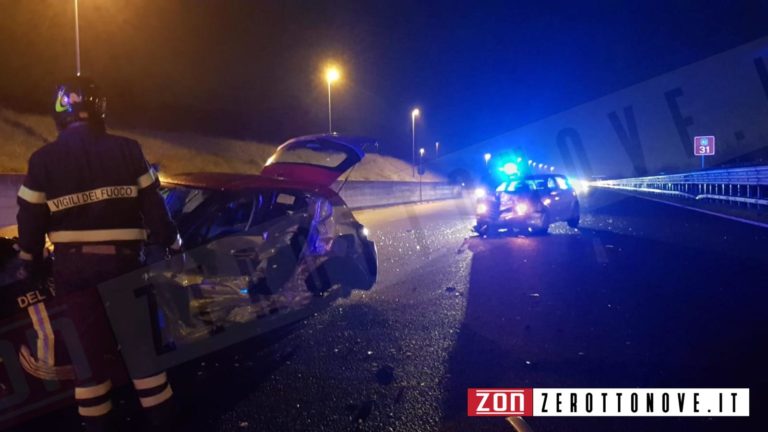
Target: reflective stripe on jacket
(91,186)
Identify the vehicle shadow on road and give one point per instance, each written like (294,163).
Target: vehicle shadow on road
(211,386)
(204,388)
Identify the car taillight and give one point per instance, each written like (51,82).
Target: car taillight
(522,208)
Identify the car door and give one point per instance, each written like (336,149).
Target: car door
(567,196)
(225,238)
(551,198)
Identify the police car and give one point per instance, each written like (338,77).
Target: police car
(529,203)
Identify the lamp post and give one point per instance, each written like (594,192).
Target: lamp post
(437,149)
(415,113)
(77,38)
(421,170)
(487,158)
(332,75)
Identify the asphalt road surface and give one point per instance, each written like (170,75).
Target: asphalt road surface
(644,294)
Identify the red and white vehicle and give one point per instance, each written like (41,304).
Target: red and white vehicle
(288,216)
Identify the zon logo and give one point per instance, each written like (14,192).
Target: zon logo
(500,402)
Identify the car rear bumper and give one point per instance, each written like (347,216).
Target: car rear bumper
(508,220)
(371,257)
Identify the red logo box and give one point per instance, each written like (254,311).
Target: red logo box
(499,402)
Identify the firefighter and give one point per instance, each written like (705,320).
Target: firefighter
(96,198)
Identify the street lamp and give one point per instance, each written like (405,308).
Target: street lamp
(332,75)
(437,148)
(487,157)
(77,38)
(415,113)
(421,170)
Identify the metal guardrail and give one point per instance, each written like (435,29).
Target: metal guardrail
(738,186)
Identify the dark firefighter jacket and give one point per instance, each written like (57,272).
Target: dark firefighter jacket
(90,187)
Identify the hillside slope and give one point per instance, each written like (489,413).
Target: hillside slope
(21,134)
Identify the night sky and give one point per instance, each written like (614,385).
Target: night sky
(253,69)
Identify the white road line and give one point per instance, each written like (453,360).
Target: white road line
(733,218)
(600,254)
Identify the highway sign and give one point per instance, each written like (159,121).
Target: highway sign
(704,146)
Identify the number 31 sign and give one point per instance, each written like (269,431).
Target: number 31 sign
(704,146)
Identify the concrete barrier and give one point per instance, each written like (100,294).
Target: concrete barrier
(365,194)
(9,187)
(358,195)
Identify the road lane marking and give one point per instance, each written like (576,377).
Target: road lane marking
(600,254)
(733,218)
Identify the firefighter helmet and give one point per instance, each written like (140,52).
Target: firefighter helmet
(78,99)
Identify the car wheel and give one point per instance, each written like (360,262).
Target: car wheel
(319,280)
(573,221)
(344,271)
